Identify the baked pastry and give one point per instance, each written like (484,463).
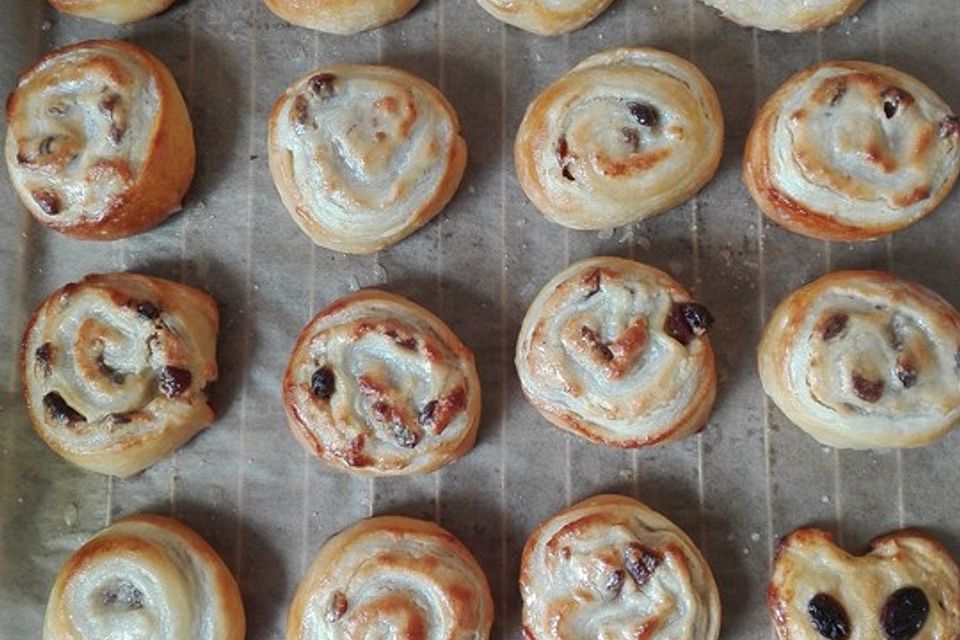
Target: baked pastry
(905,586)
(343,17)
(379,386)
(113,11)
(545,17)
(863,359)
(616,352)
(627,134)
(145,577)
(363,156)
(610,567)
(99,142)
(777,15)
(391,573)
(114,370)
(850,151)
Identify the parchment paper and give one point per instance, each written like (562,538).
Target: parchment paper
(246,485)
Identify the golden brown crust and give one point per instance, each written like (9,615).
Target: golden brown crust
(808,564)
(343,17)
(550,18)
(625,135)
(606,352)
(113,11)
(132,173)
(611,567)
(409,575)
(145,572)
(115,368)
(776,15)
(864,359)
(377,385)
(399,158)
(819,159)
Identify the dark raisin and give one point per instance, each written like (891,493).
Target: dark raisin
(596,342)
(338,606)
(615,583)
(427,413)
(866,389)
(594,281)
(44,355)
(631,137)
(950,126)
(108,104)
(562,149)
(125,595)
(323,383)
(147,309)
(301,111)
(46,145)
(174,381)
(644,114)
(116,134)
(405,436)
(904,613)
(828,617)
(906,372)
(839,91)
(834,326)
(323,85)
(893,98)
(48,201)
(567,174)
(116,377)
(640,562)
(121,418)
(687,320)
(58,409)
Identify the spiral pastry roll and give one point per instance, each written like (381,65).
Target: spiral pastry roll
(379,386)
(545,17)
(342,17)
(616,352)
(905,587)
(777,15)
(363,156)
(625,135)
(114,370)
(113,11)
(149,578)
(610,567)
(392,578)
(863,359)
(99,143)
(851,151)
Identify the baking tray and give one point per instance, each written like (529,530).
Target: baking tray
(266,506)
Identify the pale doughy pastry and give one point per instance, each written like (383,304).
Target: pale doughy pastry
(786,15)
(114,370)
(113,11)
(378,385)
(863,359)
(145,577)
(545,17)
(610,567)
(616,352)
(625,135)
(363,156)
(342,17)
(905,587)
(850,151)
(99,142)
(392,577)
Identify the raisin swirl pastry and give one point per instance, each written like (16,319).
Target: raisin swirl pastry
(342,17)
(627,134)
(145,577)
(363,156)
(379,386)
(863,359)
(113,11)
(611,567)
(114,370)
(545,17)
(777,15)
(392,578)
(616,352)
(906,586)
(850,151)
(99,143)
